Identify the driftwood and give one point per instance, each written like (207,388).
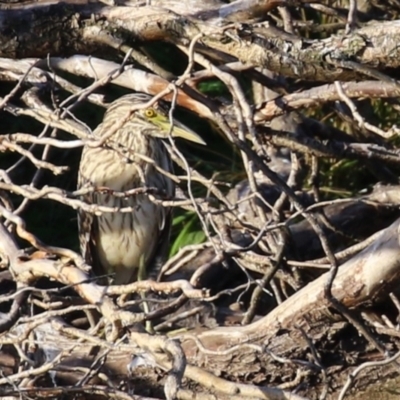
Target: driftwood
(292,288)
(359,282)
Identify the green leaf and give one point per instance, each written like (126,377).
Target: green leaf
(188,234)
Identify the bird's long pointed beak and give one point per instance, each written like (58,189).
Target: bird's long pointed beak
(186,133)
(182,131)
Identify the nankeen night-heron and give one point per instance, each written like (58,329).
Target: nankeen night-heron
(119,243)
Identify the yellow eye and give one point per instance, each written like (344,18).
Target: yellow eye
(150,113)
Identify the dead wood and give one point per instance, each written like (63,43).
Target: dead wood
(292,291)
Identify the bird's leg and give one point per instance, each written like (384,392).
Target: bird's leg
(142,275)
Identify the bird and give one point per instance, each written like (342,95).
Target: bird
(119,244)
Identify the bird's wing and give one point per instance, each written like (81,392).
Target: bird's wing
(88,227)
(160,251)
(164,218)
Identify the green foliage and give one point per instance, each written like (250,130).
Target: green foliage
(213,87)
(186,230)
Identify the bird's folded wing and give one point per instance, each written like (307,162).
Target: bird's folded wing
(88,228)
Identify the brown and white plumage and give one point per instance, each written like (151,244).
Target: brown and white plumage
(118,243)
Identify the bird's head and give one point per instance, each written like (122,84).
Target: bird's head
(155,117)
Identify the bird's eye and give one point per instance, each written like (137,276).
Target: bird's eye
(150,113)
